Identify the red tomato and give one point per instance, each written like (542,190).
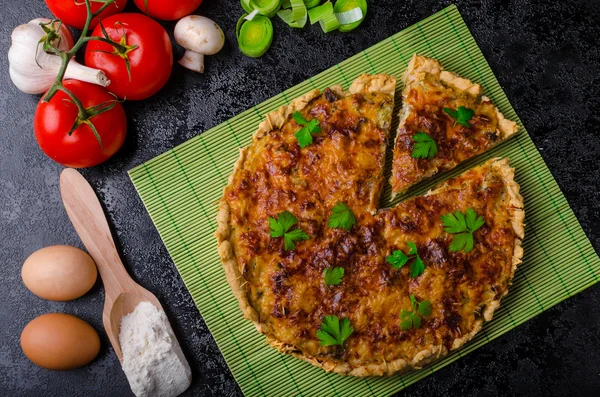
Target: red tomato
(54,119)
(167,10)
(150,63)
(74,12)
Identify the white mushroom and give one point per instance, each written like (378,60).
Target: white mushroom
(199,36)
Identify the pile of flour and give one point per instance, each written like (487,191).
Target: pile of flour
(152,358)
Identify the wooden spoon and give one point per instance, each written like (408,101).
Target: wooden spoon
(122,294)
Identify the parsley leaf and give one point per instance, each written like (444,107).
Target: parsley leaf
(304,134)
(299,118)
(341,217)
(290,237)
(399,259)
(460,116)
(413,248)
(280,227)
(412,319)
(417,268)
(424,147)
(333,275)
(462,227)
(334,332)
(407,320)
(424,308)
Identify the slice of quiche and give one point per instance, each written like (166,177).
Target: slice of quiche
(331,280)
(444,120)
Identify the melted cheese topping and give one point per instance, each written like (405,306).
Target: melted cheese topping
(425,96)
(345,163)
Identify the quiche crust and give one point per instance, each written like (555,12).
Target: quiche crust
(234,270)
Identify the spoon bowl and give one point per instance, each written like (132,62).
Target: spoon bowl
(124,304)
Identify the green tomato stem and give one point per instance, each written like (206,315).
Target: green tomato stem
(82,113)
(66,56)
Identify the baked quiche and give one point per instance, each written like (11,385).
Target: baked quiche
(444,120)
(329,278)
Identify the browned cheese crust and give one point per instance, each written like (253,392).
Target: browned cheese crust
(283,293)
(428,89)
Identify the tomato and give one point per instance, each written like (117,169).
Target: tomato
(54,119)
(74,12)
(167,10)
(150,62)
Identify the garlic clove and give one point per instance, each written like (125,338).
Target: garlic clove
(34,83)
(34,73)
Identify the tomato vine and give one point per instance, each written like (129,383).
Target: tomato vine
(51,29)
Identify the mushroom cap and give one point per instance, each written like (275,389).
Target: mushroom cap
(199,34)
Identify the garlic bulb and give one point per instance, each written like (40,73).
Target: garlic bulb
(34,77)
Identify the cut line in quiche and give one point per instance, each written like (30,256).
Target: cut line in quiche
(444,120)
(327,276)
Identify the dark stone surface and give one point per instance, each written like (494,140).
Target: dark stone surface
(545,55)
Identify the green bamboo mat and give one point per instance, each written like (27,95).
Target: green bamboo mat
(180,190)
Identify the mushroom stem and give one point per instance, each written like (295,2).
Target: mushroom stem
(193,61)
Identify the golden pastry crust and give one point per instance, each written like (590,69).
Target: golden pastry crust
(428,89)
(282,292)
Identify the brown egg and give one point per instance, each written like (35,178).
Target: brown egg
(59,273)
(59,341)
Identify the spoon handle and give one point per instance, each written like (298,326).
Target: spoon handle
(87,216)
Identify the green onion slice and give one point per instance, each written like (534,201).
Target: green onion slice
(254,37)
(311,3)
(343,6)
(295,17)
(325,16)
(264,7)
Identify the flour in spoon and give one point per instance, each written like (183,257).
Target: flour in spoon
(152,358)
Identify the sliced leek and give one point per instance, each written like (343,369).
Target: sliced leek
(296,16)
(254,37)
(325,16)
(254,30)
(246,6)
(265,7)
(317,13)
(344,6)
(251,16)
(348,17)
(311,3)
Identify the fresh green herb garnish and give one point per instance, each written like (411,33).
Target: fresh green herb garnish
(425,147)
(280,227)
(304,134)
(412,319)
(333,275)
(342,217)
(460,116)
(399,259)
(462,227)
(334,332)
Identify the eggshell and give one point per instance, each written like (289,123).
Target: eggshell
(59,341)
(59,273)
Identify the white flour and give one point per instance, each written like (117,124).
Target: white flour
(152,358)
